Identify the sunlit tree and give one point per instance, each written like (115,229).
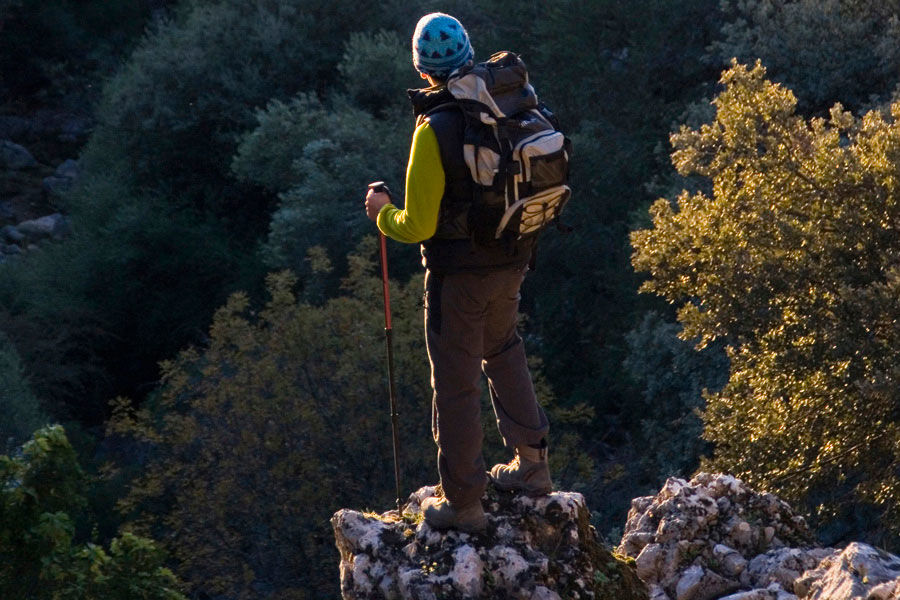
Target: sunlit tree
(791,258)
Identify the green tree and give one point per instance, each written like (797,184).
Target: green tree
(91,315)
(617,78)
(318,156)
(162,229)
(283,419)
(375,70)
(192,85)
(41,494)
(277,424)
(53,51)
(21,411)
(826,51)
(791,260)
(673,378)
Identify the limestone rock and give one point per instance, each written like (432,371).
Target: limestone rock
(731,560)
(697,583)
(773,592)
(534,548)
(858,571)
(55,226)
(889,590)
(648,562)
(13,156)
(9,233)
(63,179)
(713,538)
(710,538)
(750,595)
(69,168)
(782,566)
(697,539)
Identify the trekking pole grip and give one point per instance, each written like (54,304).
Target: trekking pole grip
(381,187)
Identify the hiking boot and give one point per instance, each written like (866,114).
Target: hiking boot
(528,472)
(440,514)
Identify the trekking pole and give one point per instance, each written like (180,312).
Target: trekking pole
(380,186)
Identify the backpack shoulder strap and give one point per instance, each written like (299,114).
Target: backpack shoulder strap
(439,108)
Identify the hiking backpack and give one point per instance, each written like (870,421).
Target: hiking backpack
(518,158)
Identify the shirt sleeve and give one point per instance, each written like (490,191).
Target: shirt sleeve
(424,189)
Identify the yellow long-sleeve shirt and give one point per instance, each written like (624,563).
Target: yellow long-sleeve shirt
(425,180)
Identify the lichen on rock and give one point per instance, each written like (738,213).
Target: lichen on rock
(540,548)
(857,571)
(714,538)
(709,537)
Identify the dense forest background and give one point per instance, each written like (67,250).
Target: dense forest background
(207,338)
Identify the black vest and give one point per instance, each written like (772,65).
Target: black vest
(451,249)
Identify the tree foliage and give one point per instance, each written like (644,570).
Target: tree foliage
(51,51)
(617,80)
(826,51)
(672,377)
(21,411)
(163,231)
(792,261)
(282,420)
(320,157)
(276,425)
(193,84)
(386,54)
(41,493)
(136,280)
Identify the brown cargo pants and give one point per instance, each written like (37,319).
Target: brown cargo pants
(470,327)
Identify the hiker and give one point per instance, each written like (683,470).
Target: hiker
(471,298)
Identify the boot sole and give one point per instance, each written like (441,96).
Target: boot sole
(473,526)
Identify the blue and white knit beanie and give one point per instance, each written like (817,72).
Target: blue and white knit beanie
(440,45)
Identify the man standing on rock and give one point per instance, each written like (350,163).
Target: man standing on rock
(471,298)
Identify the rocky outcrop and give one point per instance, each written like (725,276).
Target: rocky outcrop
(534,548)
(28,191)
(696,540)
(34,173)
(858,571)
(714,538)
(16,240)
(710,538)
